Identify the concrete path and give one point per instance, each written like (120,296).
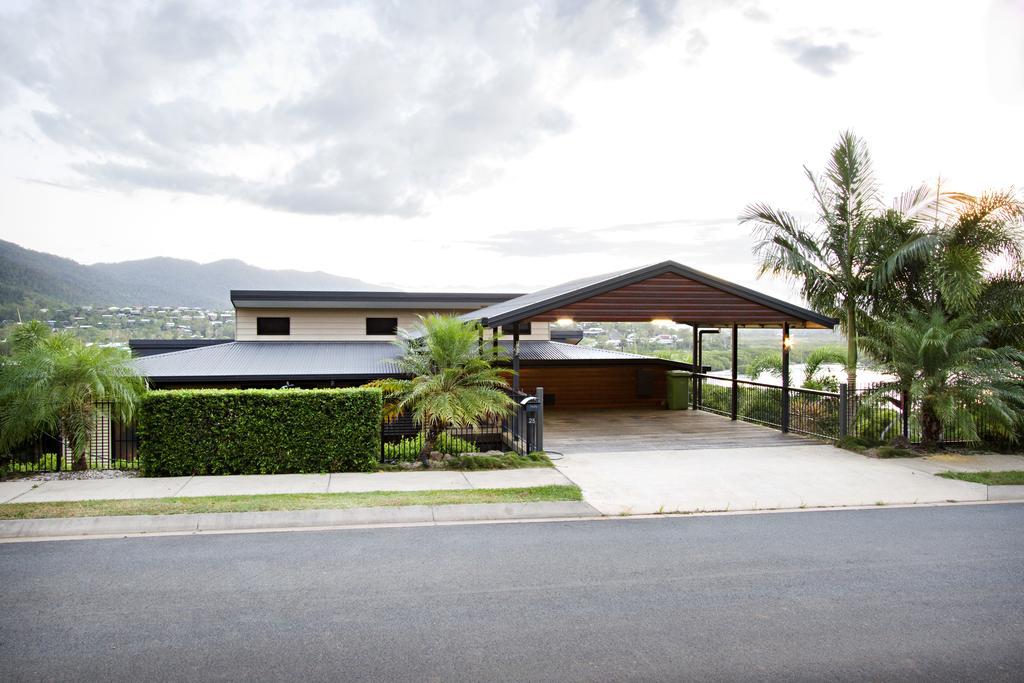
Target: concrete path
(241,485)
(762,478)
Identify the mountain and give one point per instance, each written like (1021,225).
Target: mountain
(34,278)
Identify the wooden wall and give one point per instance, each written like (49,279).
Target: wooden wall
(596,386)
(331,324)
(672,297)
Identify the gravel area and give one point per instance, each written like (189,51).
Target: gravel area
(85,474)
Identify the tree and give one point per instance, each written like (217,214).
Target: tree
(453,381)
(949,366)
(814,375)
(835,261)
(969,253)
(53,382)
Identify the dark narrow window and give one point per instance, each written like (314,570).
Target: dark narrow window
(381,326)
(278,326)
(524,328)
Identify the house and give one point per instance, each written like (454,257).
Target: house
(315,339)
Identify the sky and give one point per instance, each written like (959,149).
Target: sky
(491,145)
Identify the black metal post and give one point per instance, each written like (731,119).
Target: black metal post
(734,403)
(540,418)
(695,366)
(480,342)
(515,357)
(785,376)
(905,409)
(844,425)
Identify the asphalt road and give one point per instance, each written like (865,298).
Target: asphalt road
(924,593)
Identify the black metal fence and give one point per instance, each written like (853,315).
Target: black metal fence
(876,412)
(811,412)
(113,446)
(521,432)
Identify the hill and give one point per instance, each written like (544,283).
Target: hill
(33,278)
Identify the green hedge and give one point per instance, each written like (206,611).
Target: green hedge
(259,431)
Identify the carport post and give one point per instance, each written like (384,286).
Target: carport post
(734,402)
(694,366)
(515,357)
(786,343)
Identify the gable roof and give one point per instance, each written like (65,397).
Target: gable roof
(559,296)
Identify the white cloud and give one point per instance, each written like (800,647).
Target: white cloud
(382,109)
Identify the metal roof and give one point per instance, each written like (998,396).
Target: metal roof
(149,347)
(524,307)
(258,298)
(246,361)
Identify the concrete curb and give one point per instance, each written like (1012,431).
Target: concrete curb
(1011,492)
(288,519)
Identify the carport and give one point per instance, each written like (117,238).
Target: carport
(667,291)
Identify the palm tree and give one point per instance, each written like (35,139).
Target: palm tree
(969,252)
(814,377)
(53,384)
(453,381)
(835,261)
(949,366)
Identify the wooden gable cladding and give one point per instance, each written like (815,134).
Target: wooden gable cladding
(673,297)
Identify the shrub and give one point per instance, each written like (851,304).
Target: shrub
(409,448)
(505,461)
(259,431)
(895,452)
(877,424)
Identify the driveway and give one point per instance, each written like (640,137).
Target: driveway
(758,469)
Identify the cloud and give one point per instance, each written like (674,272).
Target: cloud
(696,43)
(820,58)
(694,241)
(755,13)
(358,107)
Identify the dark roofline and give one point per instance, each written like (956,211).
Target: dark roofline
(619,280)
(274,298)
(152,347)
(211,379)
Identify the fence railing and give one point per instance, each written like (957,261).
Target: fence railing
(875,412)
(521,432)
(113,446)
(811,412)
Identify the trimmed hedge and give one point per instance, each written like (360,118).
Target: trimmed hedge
(259,431)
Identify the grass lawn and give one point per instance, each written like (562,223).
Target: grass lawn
(289,501)
(1007,478)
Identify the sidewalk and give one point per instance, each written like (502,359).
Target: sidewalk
(256,484)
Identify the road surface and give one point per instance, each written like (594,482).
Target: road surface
(922,593)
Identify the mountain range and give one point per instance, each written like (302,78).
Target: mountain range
(34,278)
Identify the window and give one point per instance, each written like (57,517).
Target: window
(524,328)
(381,326)
(278,326)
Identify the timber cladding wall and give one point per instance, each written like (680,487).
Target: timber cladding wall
(598,386)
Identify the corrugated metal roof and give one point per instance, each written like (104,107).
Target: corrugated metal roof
(274,360)
(537,303)
(331,360)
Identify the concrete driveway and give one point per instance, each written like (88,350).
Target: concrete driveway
(757,478)
(663,461)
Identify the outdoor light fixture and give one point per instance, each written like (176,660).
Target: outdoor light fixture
(787,342)
(564,322)
(663,321)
